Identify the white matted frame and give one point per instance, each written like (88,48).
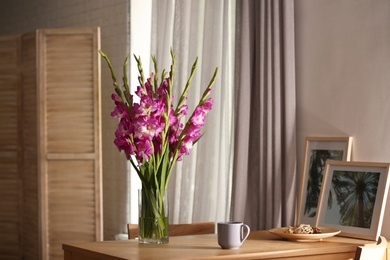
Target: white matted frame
(353,198)
(317,151)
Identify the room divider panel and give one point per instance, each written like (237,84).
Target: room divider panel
(10,145)
(60,189)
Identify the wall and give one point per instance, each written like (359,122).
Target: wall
(343,79)
(343,59)
(18,17)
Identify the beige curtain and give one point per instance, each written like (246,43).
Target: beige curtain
(264,171)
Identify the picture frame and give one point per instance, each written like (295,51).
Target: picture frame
(353,198)
(317,151)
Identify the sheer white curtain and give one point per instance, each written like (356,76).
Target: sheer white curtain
(200,187)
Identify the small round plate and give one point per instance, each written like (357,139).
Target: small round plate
(325,233)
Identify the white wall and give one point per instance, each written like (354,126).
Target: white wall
(20,16)
(343,76)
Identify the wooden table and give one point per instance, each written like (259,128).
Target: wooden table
(259,245)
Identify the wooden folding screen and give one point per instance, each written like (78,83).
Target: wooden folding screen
(10,148)
(60,180)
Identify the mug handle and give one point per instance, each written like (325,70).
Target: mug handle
(248,230)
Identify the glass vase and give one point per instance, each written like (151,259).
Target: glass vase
(152,217)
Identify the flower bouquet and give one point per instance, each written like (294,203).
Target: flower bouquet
(153,137)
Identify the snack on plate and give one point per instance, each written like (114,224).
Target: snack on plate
(303,229)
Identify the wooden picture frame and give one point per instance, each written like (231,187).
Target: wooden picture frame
(353,198)
(317,151)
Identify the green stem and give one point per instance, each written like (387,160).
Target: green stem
(153,217)
(186,88)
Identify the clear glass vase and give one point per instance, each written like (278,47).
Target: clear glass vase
(153,217)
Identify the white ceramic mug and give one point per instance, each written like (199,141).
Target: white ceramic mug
(232,234)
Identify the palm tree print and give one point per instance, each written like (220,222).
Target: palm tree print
(355,194)
(317,163)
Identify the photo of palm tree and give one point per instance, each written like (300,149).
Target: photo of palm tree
(354,198)
(317,164)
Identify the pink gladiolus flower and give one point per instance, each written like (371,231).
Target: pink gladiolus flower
(144,150)
(208,105)
(159,108)
(115,97)
(148,84)
(172,119)
(193,133)
(199,117)
(123,129)
(186,147)
(120,109)
(151,129)
(183,110)
(140,91)
(123,144)
(162,89)
(174,133)
(148,128)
